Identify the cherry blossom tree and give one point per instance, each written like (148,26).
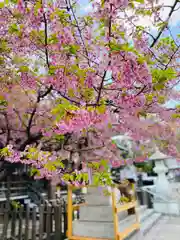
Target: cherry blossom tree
(71,81)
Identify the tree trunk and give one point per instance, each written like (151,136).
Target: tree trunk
(51,190)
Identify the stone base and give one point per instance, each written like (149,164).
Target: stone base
(169,208)
(90,226)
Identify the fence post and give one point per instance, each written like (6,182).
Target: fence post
(27,222)
(69,212)
(65,218)
(13,223)
(6,221)
(20,222)
(48,218)
(45,216)
(58,221)
(41,221)
(144,197)
(34,223)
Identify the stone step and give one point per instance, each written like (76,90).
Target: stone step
(146,226)
(93,229)
(103,213)
(97,200)
(150,222)
(104,229)
(95,196)
(95,190)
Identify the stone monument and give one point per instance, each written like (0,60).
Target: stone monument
(165,199)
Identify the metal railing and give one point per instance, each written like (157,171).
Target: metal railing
(160,198)
(20,190)
(156,195)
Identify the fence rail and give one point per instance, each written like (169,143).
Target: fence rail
(47,221)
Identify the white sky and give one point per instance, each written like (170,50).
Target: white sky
(87,7)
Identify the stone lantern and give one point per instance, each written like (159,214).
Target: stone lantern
(174,167)
(165,199)
(162,185)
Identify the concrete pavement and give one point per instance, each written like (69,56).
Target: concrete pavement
(168,228)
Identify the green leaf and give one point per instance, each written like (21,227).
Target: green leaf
(2,4)
(140,59)
(53,39)
(14,1)
(104,163)
(115,47)
(3,103)
(71,177)
(24,69)
(106,193)
(101,109)
(85,177)
(139,1)
(3,46)
(52,69)
(58,163)
(71,92)
(4,152)
(34,171)
(102,3)
(96,179)
(176,115)
(15,204)
(149,97)
(59,137)
(161,25)
(37,6)
(88,93)
(159,86)
(110,125)
(88,20)
(13,28)
(161,99)
(113,142)
(73,49)
(50,166)
(78,177)
(66,177)
(143,12)
(95,165)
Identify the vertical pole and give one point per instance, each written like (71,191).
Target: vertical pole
(6,211)
(27,222)
(69,210)
(135,199)
(34,223)
(21,211)
(115,217)
(90,176)
(41,221)
(58,221)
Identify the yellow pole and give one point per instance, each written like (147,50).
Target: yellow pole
(69,211)
(115,215)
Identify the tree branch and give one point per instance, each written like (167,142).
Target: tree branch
(8,137)
(46,39)
(170,59)
(41,95)
(79,30)
(166,23)
(109,63)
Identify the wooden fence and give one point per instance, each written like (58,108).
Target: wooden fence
(47,221)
